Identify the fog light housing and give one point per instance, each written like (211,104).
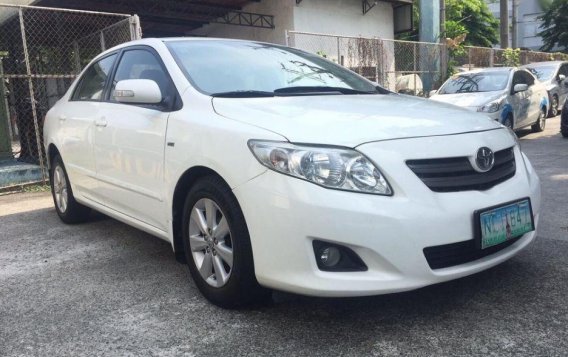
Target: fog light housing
(336,258)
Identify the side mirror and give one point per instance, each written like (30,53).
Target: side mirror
(520,88)
(432,92)
(561,78)
(139,91)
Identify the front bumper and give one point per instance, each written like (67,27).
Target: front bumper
(284,215)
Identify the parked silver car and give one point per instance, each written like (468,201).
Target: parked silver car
(554,76)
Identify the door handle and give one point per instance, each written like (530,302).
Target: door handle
(101,123)
(62,118)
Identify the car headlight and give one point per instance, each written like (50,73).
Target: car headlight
(491,107)
(336,168)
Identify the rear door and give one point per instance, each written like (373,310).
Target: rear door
(130,142)
(76,125)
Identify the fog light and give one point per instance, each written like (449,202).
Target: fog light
(337,258)
(330,256)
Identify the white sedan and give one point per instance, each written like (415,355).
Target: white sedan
(511,96)
(268,168)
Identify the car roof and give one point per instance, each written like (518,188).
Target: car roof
(543,64)
(488,69)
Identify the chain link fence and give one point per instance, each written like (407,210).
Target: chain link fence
(401,66)
(41,51)
(404,66)
(471,57)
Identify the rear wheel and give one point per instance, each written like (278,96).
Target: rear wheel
(540,123)
(217,246)
(68,209)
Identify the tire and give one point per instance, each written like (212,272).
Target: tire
(540,124)
(553,106)
(68,209)
(228,283)
(508,122)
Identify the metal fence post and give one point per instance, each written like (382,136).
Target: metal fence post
(32,96)
(5,129)
(491,57)
(135,29)
(287,38)
(103,45)
(469,58)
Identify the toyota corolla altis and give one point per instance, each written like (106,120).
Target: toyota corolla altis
(267,167)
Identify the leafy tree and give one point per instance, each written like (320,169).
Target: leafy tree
(555,25)
(469,17)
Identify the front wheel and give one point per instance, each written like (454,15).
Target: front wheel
(68,209)
(540,123)
(217,246)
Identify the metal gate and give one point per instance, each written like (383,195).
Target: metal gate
(41,51)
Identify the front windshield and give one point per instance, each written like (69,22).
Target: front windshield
(234,66)
(543,73)
(475,82)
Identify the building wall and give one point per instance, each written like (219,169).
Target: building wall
(341,17)
(528,23)
(283,11)
(344,17)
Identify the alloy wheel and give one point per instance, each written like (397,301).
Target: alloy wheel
(210,242)
(60,189)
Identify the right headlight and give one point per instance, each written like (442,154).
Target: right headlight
(336,168)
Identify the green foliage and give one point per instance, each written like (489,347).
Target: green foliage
(512,57)
(555,25)
(473,18)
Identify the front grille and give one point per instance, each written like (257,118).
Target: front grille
(448,255)
(457,174)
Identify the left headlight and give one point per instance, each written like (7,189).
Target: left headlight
(336,168)
(491,107)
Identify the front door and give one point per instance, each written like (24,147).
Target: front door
(520,101)
(76,125)
(129,145)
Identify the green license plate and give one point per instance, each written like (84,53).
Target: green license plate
(502,223)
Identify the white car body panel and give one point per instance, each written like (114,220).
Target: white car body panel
(129,167)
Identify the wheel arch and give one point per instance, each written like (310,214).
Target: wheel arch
(183,185)
(52,151)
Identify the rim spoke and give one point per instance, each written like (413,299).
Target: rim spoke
(226,253)
(197,243)
(210,213)
(222,229)
(197,217)
(220,273)
(206,266)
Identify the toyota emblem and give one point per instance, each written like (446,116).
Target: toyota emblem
(485,159)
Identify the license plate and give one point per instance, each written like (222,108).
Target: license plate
(504,222)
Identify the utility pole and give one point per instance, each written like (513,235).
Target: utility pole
(443,36)
(504,15)
(514,35)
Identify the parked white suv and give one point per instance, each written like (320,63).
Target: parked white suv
(268,167)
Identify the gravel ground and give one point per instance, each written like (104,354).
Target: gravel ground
(103,288)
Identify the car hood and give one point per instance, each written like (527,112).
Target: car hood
(468,99)
(350,120)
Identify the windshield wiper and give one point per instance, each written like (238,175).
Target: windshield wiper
(243,94)
(312,90)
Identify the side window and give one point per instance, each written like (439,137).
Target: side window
(518,78)
(529,79)
(91,85)
(564,70)
(140,64)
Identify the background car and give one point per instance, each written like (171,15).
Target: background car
(564,120)
(553,75)
(512,96)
